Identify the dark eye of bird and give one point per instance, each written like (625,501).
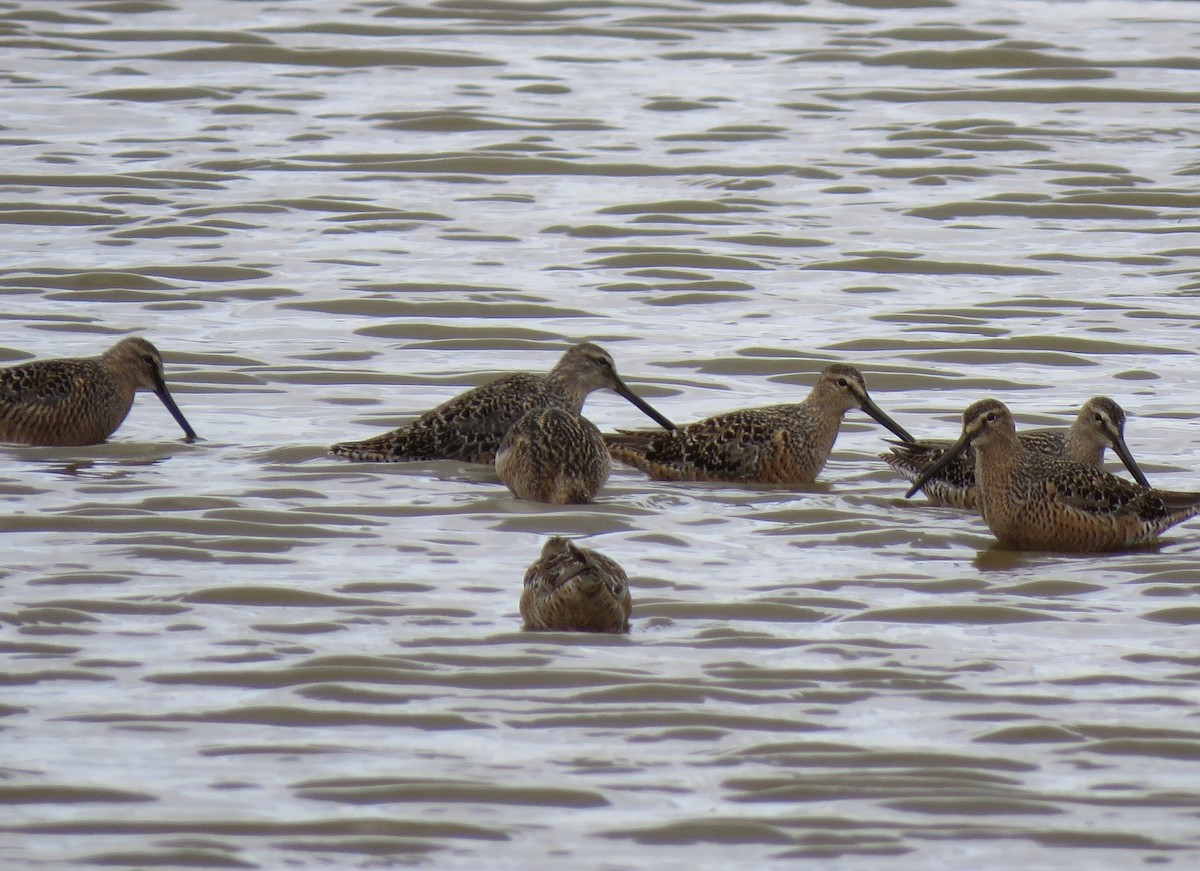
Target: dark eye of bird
(842,382)
(991,415)
(148,360)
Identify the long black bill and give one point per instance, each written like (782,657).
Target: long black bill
(642,405)
(165,395)
(869,406)
(945,460)
(1122,451)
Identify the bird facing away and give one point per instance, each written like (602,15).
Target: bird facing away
(1034,501)
(80,400)
(573,589)
(553,455)
(470,426)
(776,444)
(1100,424)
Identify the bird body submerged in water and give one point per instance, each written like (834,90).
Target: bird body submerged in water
(553,455)
(776,444)
(1034,501)
(81,400)
(470,426)
(1100,424)
(574,589)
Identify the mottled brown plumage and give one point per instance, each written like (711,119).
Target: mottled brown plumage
(80,400)
(1100,424)
(553,455)
(573,589)
(777,444)
(470,426)
(1034,501)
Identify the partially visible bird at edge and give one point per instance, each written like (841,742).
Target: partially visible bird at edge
(1034,501)
(81,400)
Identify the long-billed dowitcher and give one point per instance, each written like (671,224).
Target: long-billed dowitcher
(553,455)
(1033,501)
(573,589)
(777,444)
(1100,424)
(80,400)
(469,427)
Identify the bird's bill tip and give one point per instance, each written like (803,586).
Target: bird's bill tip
(1122,451)
(169,402)
(645,407)
(884,420)
(947,457)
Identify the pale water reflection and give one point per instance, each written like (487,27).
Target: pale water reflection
(245,653)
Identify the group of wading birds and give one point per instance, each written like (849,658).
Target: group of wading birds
(1039,489)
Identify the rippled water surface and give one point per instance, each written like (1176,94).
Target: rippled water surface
(244,653)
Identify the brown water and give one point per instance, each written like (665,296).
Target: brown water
(244,654)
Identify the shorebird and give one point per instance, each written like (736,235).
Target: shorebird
(777,444)
(80,400)
(470,426)
(1034,501)
(1100,424)
(573,589)
(553,455)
